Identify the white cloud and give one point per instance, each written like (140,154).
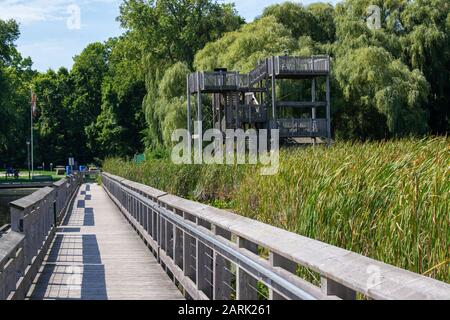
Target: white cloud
(30,11)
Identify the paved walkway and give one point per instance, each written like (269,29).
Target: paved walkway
(96,255)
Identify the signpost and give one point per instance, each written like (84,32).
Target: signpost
(32,114)
(28,159)
(71,164)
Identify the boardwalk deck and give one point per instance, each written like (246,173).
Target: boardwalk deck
(96,255)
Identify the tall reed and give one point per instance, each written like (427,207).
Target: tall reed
(386,200)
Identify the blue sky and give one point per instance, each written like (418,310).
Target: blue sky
(52,34)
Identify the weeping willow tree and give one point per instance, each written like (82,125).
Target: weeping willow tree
(165,104)
(426,46)
(242,49)
(386,82)
(415,42)
(374,83)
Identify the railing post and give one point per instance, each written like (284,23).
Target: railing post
(128,204)
(135,208)
(138,214)
(154,225)
(202,283)
(178,247)
(245,283)
(16,219)
(274,99)
(332,288)
(328,111)
(199,100)
(279,261)
(189,121)
(169,237)
(142,215)
(222,270)
(162,233)
(145,218)
(188,254)
(55,215)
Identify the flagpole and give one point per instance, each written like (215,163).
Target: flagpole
(32,135)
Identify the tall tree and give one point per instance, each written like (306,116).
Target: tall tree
(383,95)
(118,128)
(168,32)
(85,100)
(53,89)
(172,30)
(242,49)
(315,21)
(15,77)
(414,32)
(166,108)
(426,46)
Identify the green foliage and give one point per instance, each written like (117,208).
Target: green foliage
(415,32)
(85,100)
(128,93)
(324,20)
(9,33)
(388,200)
(242,49)
(15,77)
(426,46)
(175,30)
(315,21)
(173,83)
(385,200)
(167,34)
(166,110)
(117,128)
(394,91)
(87,74)
(388,82)
(50,125)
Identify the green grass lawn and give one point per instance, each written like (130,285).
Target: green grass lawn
(24,176)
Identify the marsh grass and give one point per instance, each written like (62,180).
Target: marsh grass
(385,200)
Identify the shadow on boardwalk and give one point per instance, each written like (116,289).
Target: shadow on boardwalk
(96,255)
(74,270)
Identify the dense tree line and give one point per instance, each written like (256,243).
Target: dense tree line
(387,82)
(128,93)
(15,75)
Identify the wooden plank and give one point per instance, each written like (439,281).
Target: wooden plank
(182,204)
(152,192)
(60,183)
(96,255)
(300,104)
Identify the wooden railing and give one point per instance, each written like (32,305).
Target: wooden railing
(214,254)
(90,174)
(286,65)
(216,81)
(33,224)
(293,65)
(301,127)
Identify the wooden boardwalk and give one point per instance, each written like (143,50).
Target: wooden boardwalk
(96,255)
